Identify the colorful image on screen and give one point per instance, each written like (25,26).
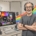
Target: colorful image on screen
(7,18)
(4,13)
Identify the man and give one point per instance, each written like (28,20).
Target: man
(28,22)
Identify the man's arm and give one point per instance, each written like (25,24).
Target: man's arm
(20,24)
(20,27)
(31,27)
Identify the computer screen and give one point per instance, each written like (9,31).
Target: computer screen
(7,18)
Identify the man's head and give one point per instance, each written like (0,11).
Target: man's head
(28,7)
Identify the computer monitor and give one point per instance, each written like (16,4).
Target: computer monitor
(8,18)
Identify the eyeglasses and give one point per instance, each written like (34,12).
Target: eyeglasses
(28,6)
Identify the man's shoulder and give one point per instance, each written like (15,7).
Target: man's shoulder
(23,16)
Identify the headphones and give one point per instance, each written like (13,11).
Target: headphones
(27,3)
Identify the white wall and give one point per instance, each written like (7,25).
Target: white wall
(12,0)
(23,2)
(5,6)
(11,6)
(15,7)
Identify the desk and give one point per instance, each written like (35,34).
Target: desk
(9,30)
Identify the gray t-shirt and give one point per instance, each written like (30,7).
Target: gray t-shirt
(28,20)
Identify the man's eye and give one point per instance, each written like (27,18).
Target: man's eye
(29,7)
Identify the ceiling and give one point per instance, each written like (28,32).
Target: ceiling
(13,0)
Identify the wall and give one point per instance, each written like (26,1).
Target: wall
(12,0)
(23,2)
(5,6)
(15,6)
(11,6)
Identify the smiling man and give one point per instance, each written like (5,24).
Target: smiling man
(28,22)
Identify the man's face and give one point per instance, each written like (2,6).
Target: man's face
(29,8)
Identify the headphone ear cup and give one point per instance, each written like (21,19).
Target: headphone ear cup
(32,8)
(25,8)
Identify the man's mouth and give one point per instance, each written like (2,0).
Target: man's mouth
(28,10)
